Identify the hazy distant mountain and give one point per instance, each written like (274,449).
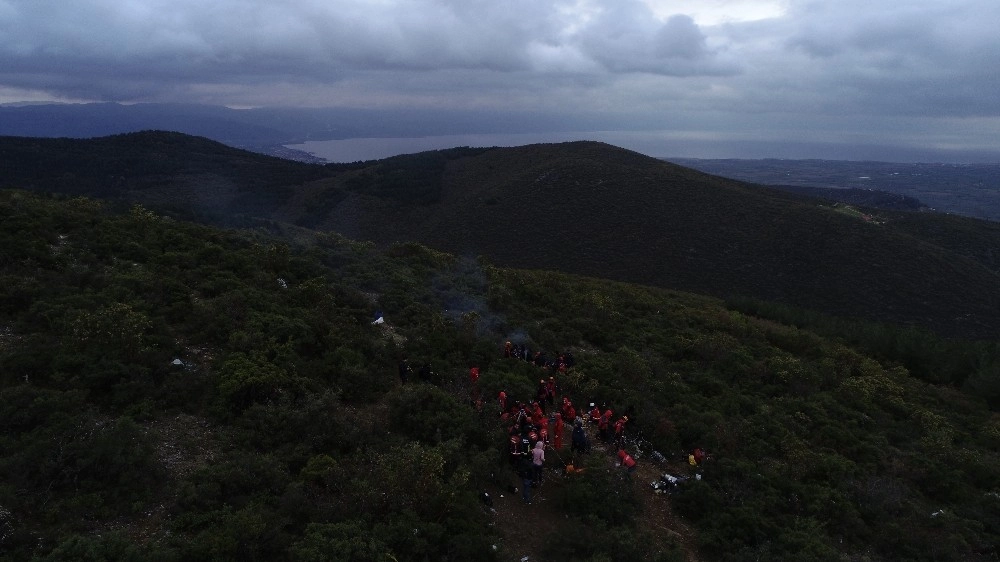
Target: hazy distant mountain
(264,128)
(585,208)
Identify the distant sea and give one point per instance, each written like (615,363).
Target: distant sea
(353,150)
(658,144)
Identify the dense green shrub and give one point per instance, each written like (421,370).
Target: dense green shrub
(281,431)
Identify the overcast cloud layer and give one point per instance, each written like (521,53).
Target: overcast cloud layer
(922,73)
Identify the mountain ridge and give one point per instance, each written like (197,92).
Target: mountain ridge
(584,207)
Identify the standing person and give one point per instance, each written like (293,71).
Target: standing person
(620,429)
(605,425)
(514,450)
(569,359)
(502,401)
(550,390)
(404,370)
(579,443)
(538,414)
(541,394)
(525,471)
(426,373)
(538,461)
(473,374)
(568,411)
(557,431)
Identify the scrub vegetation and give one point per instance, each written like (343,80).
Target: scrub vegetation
(173,391)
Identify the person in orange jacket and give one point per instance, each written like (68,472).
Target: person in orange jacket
(573,468)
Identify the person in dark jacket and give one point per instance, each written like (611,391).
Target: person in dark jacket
(580,443)
(526,471)
(404,370)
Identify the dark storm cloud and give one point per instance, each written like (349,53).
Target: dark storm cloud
(714,65)
(626,37)
(87,47)
(918,57)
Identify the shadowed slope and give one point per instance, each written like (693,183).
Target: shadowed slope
(597,210)
(582,207)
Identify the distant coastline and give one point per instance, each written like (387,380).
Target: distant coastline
(665,144)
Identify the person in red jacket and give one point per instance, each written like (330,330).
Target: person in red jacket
(605,425)
(502,400)
(557,431)
(595,414)
(699,455)
(568,411)
(473,374)
(550,390)
(620,428)
(537,415)
(628,463)
(542,392)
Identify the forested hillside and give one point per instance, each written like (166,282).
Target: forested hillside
(172,391)
(584,208)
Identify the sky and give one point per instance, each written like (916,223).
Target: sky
(752,78)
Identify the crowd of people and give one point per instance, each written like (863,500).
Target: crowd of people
(540,423)
(536,425)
